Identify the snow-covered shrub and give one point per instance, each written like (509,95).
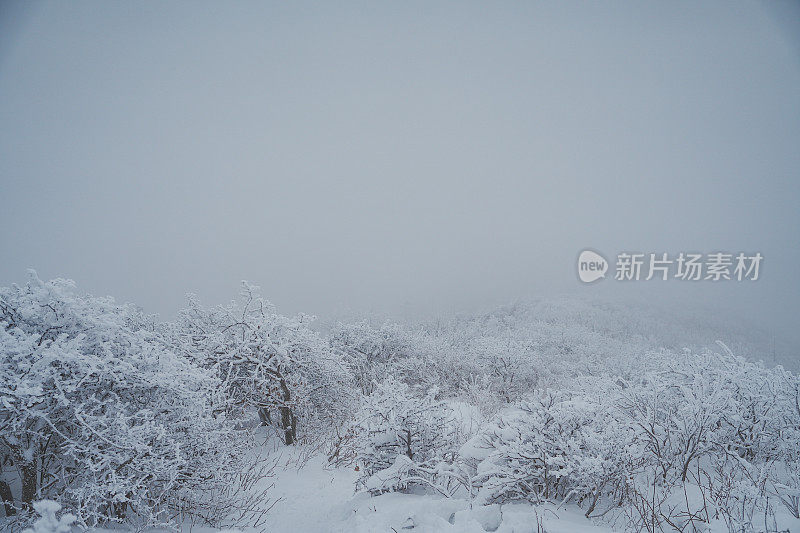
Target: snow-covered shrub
(99,414)
(716,425)
(785,482)
(401,440)
(266,362)
(709,424)
(368,351)
(372,353)
(737,491)
(480,391)
(507,365)
(554,446)
(678,418)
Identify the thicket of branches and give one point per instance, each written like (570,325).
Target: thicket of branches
(502,410)
(122,418)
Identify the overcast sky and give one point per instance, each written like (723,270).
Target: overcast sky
(397,156)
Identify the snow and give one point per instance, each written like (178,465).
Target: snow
(48,522)
(316,498)
(388,476)
(483,425)
(311,495)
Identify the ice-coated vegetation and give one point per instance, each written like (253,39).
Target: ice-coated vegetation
(594,409)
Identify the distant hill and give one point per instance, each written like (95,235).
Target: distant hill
(613,325)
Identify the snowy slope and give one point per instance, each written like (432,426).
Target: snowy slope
(315,498)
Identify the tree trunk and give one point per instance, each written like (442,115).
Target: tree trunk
(595,497)
(8,499)
(29,479)
(286,424)
(263,414)
(288,420)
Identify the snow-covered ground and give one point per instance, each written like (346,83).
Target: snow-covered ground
(317,498)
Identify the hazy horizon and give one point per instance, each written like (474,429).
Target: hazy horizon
(401,158)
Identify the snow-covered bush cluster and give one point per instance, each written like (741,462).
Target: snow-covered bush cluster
(711,425)
(406,438)
(119,417)
(644,438)
(266,361)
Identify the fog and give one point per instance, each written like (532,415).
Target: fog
(398,157)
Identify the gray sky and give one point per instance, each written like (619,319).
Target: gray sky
(397,156)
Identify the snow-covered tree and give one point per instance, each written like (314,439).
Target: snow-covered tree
(554,446)
(373,352)
(266,361)
(401,439)
(98,413)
